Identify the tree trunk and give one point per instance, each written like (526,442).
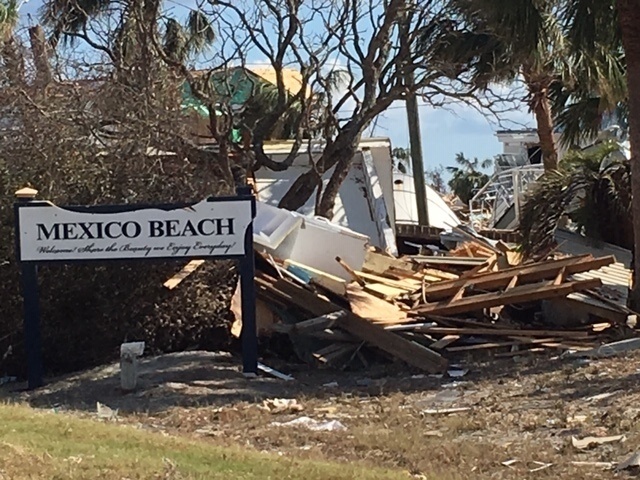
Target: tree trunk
(300,191)
(542,110)
(629,18)
(40,56)
(344,160)
(341,152)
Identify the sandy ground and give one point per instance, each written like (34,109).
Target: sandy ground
(510,418)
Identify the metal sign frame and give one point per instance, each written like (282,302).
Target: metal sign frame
(29,277)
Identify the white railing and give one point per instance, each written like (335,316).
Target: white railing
(504,190)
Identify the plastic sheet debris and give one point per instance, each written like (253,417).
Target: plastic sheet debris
(312,424)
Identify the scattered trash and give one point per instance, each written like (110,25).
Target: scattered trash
(445,411)
(331,385)
(106,412)
(457,372)
(631,461)
(588,442)
(542,466)
(208,432)
(281,405)
(601,396)
(311,424)
(274,373)
(603,465)
(577,419)
(509,463)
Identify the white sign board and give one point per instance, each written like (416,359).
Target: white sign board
(206,229)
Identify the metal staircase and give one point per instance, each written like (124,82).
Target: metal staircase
(497,204)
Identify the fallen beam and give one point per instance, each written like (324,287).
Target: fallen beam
(503,332)
(523,294)
(526,274)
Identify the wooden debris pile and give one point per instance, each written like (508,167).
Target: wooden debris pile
(422,310)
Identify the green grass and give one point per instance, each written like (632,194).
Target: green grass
(38,444)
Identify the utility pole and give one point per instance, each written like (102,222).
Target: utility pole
(415,144)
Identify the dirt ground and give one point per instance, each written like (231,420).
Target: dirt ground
(505,419)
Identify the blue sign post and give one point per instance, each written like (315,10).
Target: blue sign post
(216,228)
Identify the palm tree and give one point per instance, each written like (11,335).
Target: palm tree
(592,188)
(466,177)
(567,86)
(618,22)
(528,44)
(66,19)
(9,52)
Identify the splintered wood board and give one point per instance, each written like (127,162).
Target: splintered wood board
(503,332)
(384,291)
(408,285)
(373,308)
(378,264)
(187,270)
(332,283)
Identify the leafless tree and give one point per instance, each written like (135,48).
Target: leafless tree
(382,49)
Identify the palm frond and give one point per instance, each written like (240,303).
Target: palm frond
(201,33)
(175,39)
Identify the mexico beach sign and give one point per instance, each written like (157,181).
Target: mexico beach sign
(206,229)
(215,228)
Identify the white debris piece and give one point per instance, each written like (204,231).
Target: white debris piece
(281,405)
(106,412)
(311,424)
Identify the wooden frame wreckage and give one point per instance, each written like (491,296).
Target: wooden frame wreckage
(426,310)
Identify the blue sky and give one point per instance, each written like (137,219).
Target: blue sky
(445,132)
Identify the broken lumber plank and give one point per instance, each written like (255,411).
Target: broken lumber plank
(490,345)
(523,294)
(479,241)
(350,271)
(465,322)
(379,264)
(313,324)
(526,274)
(373,308)
(442,275)
(383,291)
(503,332)
(332,283)
(409,352)
(333,352)
(444,342)
(187,270)
(408,285)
